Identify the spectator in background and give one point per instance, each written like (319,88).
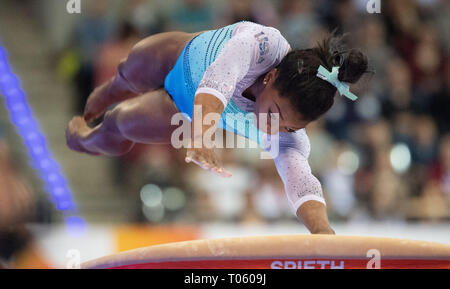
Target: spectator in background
(402,21)
(343,15)
(388,190)
(440,171)
(145,16)
(260,11)
(191,16)
(338,181)
(299,22)
(14,240)
(398,105)
(228,199)
(440,14)
(440,103)
(374,137)
(91,32)
(251,215)
(268,197)
(112,52)
(322,144)
(418,43)
(338,119)
(146,164)
(424,146)
(428,67)
(433,203)
(378,187)
(16,207)
(15,197)
(373,38)
(399,94)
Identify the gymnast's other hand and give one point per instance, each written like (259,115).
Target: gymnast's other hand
(207,160)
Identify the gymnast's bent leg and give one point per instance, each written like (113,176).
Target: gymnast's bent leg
(143,70)
(143,119)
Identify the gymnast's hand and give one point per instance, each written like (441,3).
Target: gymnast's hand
(207,160)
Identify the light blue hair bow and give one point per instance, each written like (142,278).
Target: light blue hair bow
(332,77)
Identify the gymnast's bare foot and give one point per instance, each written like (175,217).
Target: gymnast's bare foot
(76,130)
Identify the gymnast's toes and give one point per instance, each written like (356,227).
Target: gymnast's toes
(73,133)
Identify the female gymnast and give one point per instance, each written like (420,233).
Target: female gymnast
(244,67)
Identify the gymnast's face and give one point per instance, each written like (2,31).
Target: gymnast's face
(274,106)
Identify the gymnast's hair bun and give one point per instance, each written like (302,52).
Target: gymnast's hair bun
(334,51)
(354,65)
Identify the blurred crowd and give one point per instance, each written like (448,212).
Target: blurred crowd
(385,156)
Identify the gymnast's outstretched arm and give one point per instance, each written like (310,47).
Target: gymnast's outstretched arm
(200,154)
(303,189)
(215,90)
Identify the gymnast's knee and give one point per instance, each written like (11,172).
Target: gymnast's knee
(125,79)
(120,120)
(111,120)
(137,71)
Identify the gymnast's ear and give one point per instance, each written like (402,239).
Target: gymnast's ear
(270,76)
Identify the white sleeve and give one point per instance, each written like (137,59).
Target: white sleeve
(293,167)
(255,48)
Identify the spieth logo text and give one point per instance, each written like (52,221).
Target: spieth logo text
(310,264)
